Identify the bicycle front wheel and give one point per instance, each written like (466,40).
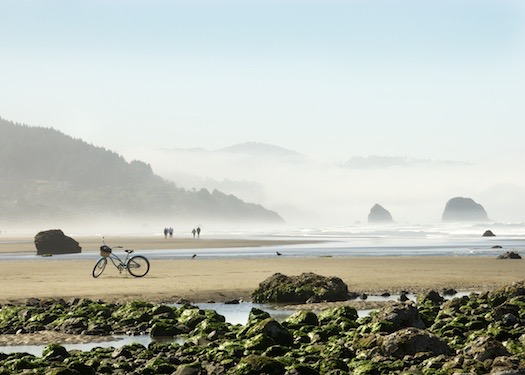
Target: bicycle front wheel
(100,267)
(138,266)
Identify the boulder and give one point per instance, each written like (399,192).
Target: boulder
(396,316)
(484,347)
(54,241)
(464,209)
(269,328)
(449,291)
(299,289)
(300,319)
(432,296)
(509,255)
(489,233)
(411,341)
(378,214)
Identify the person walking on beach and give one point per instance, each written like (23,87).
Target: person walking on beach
(199,232)
(193,232)
(171,232)
(165,232)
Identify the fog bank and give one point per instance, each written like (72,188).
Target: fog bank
(312,192)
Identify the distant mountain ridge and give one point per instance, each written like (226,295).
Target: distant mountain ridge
(262,149)
(250,149)
(45,173)
(382,162)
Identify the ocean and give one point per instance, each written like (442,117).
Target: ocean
(360,240)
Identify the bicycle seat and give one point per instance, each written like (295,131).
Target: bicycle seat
(129,251)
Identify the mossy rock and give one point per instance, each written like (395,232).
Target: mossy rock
(299,289)
(256,315)
(160,366)
(255,364)
(191,317)
(271,328)
(259,342)
(301,319)
(166,328)
(164,311)
(338,314)
(54,352)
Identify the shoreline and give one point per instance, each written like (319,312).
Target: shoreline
(92,243)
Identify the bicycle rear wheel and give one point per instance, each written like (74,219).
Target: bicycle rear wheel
(138,266)
(100,267)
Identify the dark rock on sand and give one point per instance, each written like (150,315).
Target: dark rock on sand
(378,214)
(488,233)
(464,209)
(54,241)
(509,255)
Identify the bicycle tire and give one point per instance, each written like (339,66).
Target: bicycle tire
(99,267)
(138,266)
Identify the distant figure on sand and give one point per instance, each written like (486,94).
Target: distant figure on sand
(165,232)
(193,232)
(171,232)
(199,232)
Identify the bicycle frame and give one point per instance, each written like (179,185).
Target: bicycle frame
(117,261)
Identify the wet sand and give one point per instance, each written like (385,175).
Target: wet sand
(92,244)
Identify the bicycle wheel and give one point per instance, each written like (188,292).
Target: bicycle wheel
(138,266)
(100,267)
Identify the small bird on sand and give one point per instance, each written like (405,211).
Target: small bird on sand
(193,256)
(278,253)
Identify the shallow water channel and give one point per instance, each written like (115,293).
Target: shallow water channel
(233,313)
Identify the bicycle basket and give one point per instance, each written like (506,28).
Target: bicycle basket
(105,250)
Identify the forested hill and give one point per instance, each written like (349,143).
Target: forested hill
(45,173)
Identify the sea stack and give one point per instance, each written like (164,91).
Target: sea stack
(378,215)
(464,209)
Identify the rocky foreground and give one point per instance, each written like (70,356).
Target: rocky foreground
(478,334)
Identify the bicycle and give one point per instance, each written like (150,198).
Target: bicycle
(136,265)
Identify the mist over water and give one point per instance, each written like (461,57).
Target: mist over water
(319,197)
(314,192)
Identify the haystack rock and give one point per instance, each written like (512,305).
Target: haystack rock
(379,215)
(54,241)
(464,209)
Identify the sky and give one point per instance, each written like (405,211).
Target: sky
(436,79)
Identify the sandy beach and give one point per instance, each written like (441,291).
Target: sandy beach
(92,243)
(201,280)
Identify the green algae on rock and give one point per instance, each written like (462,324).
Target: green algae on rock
(475,334)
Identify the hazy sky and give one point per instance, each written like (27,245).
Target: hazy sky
(427,79)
